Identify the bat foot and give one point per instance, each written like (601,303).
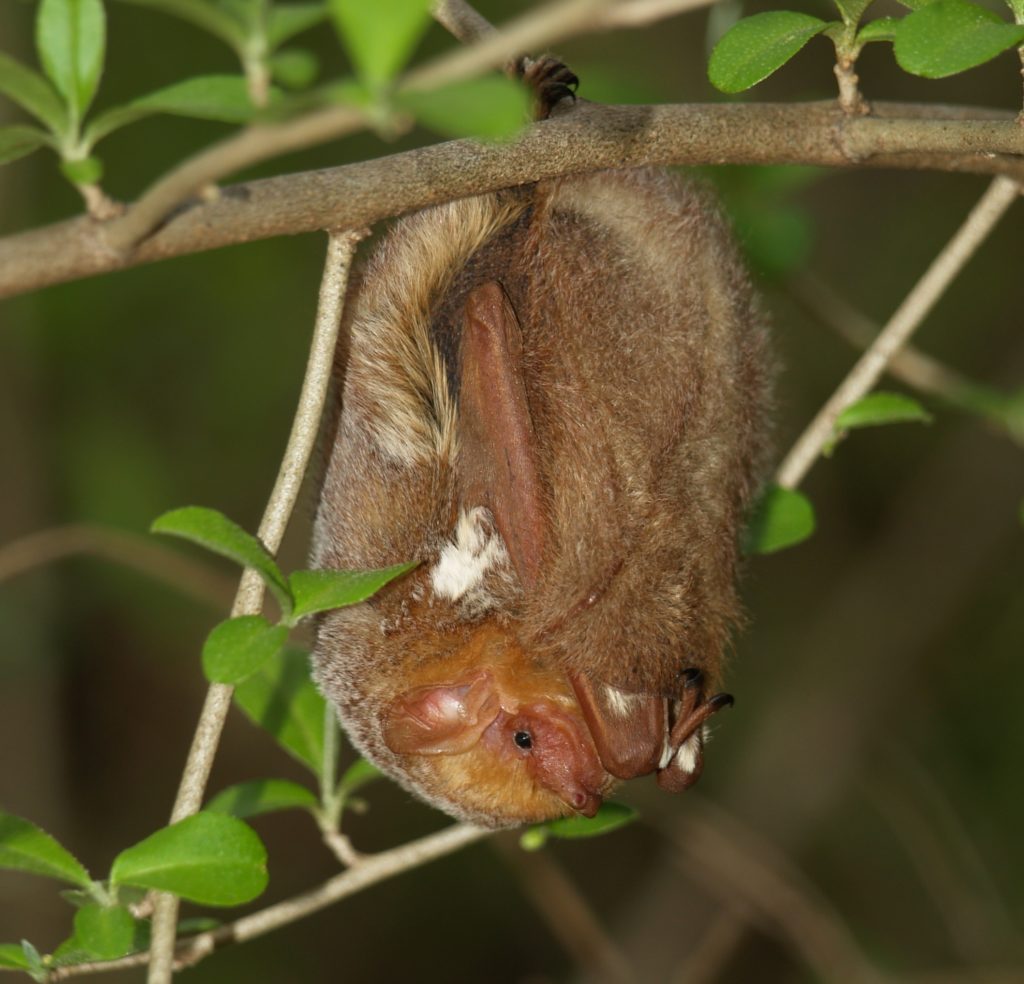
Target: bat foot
(684,761)
(550,80)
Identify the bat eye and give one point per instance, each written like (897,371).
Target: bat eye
(523,739)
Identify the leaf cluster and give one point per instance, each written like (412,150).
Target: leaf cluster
(937,38)
(276,80)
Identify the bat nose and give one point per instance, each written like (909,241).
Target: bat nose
(584,802)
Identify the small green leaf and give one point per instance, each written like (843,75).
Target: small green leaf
(609,817)
(360,773)
(782,518)
(759,45)
(203,14)
(213,530)
(106,931)
(235,649)
(294,68)
(883,29)
(87,171)
(280,697)
(197,924)
(250,799)
(951,36)
(24,847)
(12,957)
(320,591)
(20,140)
(489,108)
(208,858)
(71,38)
(287,20)
(33,93)
(881,408)
(36,968)
(380,37)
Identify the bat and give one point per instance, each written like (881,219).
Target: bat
(554,398)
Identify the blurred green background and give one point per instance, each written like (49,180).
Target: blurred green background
(862,805)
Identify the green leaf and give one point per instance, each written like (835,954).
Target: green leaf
(213,530)
(380,36)
(883,29)
(32,93)
(249,799)
(106,931)
(280,697)
(609,817)
(782,518)
(951,36)
(12,957)
(759,45)
(203,14)
(320,591)
(24,847)
(36,967)
(222,98)
(208,858)
(489,108)
(287,20)
(71,38)
(360,773)
(20,140)
(294,68)
(880,408)
(86,171)
(235,649)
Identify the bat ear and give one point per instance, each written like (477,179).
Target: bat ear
(441,720)
(628,729)
(498,457)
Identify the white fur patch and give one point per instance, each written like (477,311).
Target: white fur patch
(463,564)
(621,704)
(686,755)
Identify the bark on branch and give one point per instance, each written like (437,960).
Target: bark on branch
(591,138)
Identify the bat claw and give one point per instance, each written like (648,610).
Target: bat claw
(686,739)
(551,82)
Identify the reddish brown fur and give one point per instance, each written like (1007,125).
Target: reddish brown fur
(646,376)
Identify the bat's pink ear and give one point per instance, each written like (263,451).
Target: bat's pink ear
(498,460)
(441,720)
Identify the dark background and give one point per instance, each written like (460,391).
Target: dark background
(874,755)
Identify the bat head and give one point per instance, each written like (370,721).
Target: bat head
(504,741)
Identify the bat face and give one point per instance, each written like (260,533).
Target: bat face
(554,399)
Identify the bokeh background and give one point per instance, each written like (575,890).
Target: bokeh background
(862,807)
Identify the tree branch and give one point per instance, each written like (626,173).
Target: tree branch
(369,871)
(140,553)
(591,138)
(908,316)
(249,600)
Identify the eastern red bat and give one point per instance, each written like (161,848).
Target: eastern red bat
(554,398)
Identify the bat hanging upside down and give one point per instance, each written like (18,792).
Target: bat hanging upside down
(554,399)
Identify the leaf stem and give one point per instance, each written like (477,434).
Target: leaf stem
(249,599)
(918,303)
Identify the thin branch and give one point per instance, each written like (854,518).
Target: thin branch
(592,137)
(915,307)
(249,600)
(369,871)
(461,21)
(909,365)
(139,553)
(566,912)
(754,878)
